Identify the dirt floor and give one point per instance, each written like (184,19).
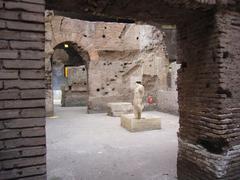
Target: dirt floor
(83,146)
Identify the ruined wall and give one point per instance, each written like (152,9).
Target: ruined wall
(22,90)
(167,98)
(117,71)
(119,55)
(208,86)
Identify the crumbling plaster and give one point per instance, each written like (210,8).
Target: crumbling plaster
(119,54)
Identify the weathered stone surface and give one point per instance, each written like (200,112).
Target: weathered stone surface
(119,54)
(119,108)
(146,123)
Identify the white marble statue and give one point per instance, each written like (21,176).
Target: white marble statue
(138,100)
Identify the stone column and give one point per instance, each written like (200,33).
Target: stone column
(209,97)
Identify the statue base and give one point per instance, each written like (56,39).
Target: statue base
(146,123)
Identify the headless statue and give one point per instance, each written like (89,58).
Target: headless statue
(138,100)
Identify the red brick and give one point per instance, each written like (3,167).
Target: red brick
(22,152)
(16,25)
(23,64)
(1,125)
(22,133)
(32,74)
(9,94)
(19,35)
(10,114)
(34,132)
(25,6)
(23,172)
(2,24)
(32,17)
(33,94)
(8,54)
(1,5)
(9,15)
(40,177)
(27,54)
(27,45)
(24,103)
(1,147)
(24,123)
(9,134)
(1,85)
(24,142)
(34,1)
(1,105)
(24,84)
(8,74)
(3,44)
(23,162)
(31,113)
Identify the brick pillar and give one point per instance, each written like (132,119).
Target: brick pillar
(209,97)
(48,64)
(22,90)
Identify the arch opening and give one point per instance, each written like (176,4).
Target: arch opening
(69,75)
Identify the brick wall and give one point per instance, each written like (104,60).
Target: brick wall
(208,86)
(22,104)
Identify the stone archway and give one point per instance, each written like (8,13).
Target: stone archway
(81,59)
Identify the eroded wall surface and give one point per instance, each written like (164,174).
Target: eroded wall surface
(119,55)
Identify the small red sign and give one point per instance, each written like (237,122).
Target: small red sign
(150,99)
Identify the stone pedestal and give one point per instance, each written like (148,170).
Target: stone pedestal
(146,123)
(119,108)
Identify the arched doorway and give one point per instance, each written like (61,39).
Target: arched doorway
(69,75)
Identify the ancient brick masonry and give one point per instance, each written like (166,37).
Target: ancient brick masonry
(209,98)
(22,94)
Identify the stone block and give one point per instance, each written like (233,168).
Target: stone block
(146,123)
(117,109)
